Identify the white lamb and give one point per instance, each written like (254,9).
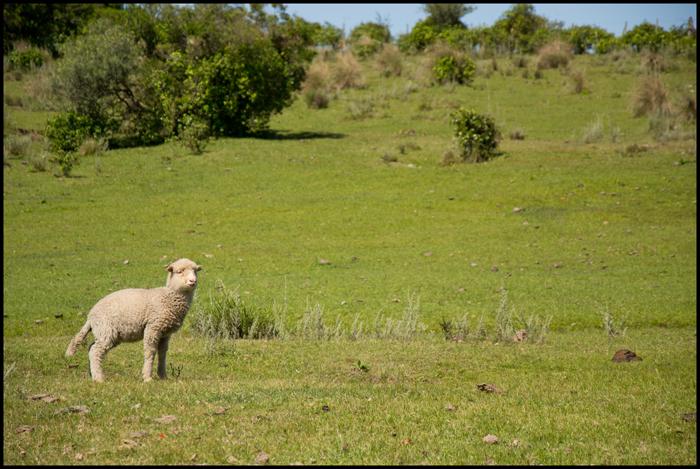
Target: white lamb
(136,313)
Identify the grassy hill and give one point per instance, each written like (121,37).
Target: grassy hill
(349,211)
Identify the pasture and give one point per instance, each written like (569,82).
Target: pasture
(352,215)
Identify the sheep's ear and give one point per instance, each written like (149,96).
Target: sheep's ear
(198,268)
(169,268)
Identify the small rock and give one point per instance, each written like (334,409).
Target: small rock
(520,336)
(450,408)
(324,262)
(126,262)
(166,419)
(490,439)
(128,444)
(262,458)
(428,253)
(515,443)
(491,388)
(58,315)
(219,410)
(232,460)
(517,209)
(38,321)
(24,429)
(406,441)
(79,456)
(325,408)
(494,268)
(44,397)
(557,265)
(625,355)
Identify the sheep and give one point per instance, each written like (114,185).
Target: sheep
(133,314)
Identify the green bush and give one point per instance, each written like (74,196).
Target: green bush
(67,131)
(25,60)
(421,36)
(367,38)
(193,134)
(454,69)
(476,134)
(448,65)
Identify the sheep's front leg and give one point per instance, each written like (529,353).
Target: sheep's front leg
(162,351)
(150,347)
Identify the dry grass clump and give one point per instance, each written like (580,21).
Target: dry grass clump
(389,61)
(651,97)
(577,81)
(347,72)
(317,85)
(554,55)
(653,62)
(687,107)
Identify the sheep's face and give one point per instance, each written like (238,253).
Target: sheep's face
(182,275)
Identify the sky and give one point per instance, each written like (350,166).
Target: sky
(402,16)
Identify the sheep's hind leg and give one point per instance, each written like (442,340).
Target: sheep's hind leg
(96,354)
(162,351)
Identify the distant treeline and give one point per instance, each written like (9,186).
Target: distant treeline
(518,30)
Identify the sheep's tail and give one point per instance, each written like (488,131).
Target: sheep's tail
(78,339)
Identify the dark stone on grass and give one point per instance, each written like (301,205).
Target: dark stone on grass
(492,388)
(625,355)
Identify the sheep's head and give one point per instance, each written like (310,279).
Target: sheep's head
(182,275)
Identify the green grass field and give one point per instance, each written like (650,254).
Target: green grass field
(600,229)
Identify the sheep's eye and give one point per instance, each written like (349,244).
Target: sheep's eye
(180,271)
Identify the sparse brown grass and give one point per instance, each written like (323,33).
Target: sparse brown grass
(555,54)
(389,61)
(651,97)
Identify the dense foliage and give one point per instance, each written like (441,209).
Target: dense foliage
(153,72)
(476,134)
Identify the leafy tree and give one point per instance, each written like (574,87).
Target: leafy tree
(446,15)
(645,36)
(367,38)
(46,25)
(519,24)
(586,38)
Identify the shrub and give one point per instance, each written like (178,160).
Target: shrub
(361,108)
(316,99)
(451,66)
(193,134)
(554,55)
(367,38)
(92,146)
(650,97)
(594,131)
(16,146)
(688,105)
(347,72)
(578,82)
(517,134)
(27,59)
(317,84)
(227,316)
(389,61)
(476,134)
(421,36)
(65,161)
(67,131)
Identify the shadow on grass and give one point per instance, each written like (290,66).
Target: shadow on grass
(289,135)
